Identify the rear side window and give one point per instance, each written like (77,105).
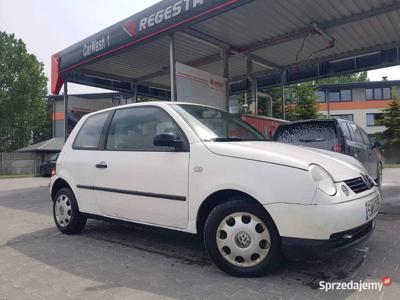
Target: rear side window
(90,133)
(320,135)
(345,130)
(365,137)
(356,133)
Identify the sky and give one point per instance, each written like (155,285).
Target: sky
(48,26)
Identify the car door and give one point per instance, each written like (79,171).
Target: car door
(136,180)
(357,147)
(346,135)
(78,162)
(372,155)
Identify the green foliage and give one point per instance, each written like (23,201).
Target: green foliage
(303,102)
(391,119)
(355,77)
(24,114)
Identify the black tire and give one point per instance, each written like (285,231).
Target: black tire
(217,215)
(77,221)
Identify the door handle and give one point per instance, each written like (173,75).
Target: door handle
(101,165)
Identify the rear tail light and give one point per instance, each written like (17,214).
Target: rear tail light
(338,148)
(53,171)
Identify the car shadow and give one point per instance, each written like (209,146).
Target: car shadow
(175,264)
(167,263)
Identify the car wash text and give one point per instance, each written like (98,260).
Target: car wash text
(168,13)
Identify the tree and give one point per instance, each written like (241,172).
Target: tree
(391,119)
(24,114)
(303,102)
(354,77)
(297,107)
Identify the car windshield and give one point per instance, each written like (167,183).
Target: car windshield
(315,134)
(216,125)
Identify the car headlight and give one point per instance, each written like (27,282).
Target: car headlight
(322,179)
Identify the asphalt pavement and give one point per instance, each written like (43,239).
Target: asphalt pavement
(118,261)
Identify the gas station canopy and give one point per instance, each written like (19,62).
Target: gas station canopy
(272,41)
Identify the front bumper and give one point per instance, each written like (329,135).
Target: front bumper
(320,228)
(309,248)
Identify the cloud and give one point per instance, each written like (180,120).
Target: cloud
(48,26)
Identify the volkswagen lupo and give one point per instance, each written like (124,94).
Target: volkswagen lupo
(201,170)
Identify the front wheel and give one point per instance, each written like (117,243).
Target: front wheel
(66,213)
(241,239)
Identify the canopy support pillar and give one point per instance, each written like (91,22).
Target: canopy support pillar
(253,86)
(172,67)
(283,80)
(65,110)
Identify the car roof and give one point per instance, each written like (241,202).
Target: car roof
(151,103)
(309,121)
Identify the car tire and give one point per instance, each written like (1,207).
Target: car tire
(66,213)
(250,246)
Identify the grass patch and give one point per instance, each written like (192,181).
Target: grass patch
(391,166)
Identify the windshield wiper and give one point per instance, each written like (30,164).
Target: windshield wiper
(311,140)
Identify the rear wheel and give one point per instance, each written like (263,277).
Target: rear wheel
(241,239)
(66,212)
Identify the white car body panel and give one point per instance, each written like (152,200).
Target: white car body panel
(155,172)
(274,174)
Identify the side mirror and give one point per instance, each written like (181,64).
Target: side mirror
(167,140)
(377,145)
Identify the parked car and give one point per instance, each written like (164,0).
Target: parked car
(336,135)
(48,165)
(201,170)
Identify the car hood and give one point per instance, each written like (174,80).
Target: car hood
(340,166)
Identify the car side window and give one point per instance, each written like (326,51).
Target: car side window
(366,138)
(357,133)
(135,129)
(90,133)
(345,130)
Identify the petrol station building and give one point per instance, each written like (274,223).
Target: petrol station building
(231,46)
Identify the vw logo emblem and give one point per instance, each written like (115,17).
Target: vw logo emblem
(242,240)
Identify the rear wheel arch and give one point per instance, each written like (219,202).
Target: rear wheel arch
(220,197)
(58,185)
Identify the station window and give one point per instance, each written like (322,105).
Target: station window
(378,93)
(320,96)
(373,119)
(340,95)
(334,96)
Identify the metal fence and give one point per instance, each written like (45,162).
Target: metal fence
(15,163)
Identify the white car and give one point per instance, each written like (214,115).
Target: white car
(201,170)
